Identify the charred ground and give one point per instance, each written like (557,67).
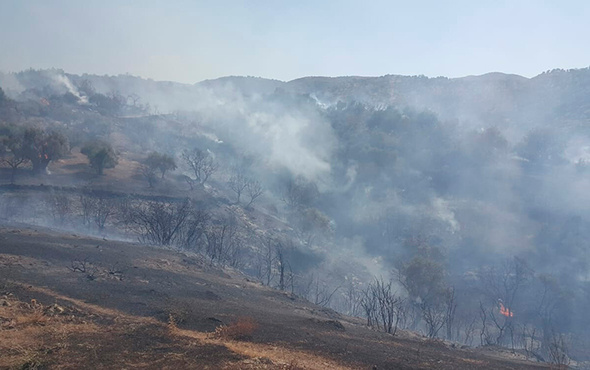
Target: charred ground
(140,306)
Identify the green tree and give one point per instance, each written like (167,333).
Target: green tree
(12,152)
(100,155)
(42,147)
(161,162)
(424,278)
(3,97)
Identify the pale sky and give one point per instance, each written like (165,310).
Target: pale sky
(189,41)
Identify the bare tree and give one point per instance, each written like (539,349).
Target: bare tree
(551,299)
(254,190)
(451,309)
(469,329)
(266,259)
(104,208)
(61,206)
(383,307)
(501,287)
(369,304)
(484,333)
(434,315)
(97,207)
(352,296)
(319,292)
(283,250)
(241,184)
(189,181)
(158,222)
(200,163)
(529,341)
(87,207)
(238,182)
(14,161)
(224,242)
(86,267)
(191,235)
(558,350)
(133,100)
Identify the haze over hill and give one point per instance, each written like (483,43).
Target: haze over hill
(467,195)
(489,99)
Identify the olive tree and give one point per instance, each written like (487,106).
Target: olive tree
(41,147)
(160,162)
(424,278)
(100,155)
(12,152)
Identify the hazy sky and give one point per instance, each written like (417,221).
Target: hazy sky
(189,41)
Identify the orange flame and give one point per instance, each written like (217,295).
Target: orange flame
(505,311)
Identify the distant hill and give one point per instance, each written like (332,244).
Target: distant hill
(247,85)
(490,99)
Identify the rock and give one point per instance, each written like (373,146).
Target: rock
(330,324)
(335,324)
(55,309)
(215,320)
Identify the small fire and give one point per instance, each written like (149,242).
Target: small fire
(505,311)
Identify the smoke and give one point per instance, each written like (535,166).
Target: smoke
(65,81)
(301,144)
(10,84)
(443,212)
(476,168)
(284,133)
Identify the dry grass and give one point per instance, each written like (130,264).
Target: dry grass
(172,324)
(39,337)
(474,362)
(37,317)
(31,333)
(279,357)
(242,329)
(22,329)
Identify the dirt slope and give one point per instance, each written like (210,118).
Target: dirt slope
(73,302)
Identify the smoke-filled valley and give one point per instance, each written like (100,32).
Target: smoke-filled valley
(456,208)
